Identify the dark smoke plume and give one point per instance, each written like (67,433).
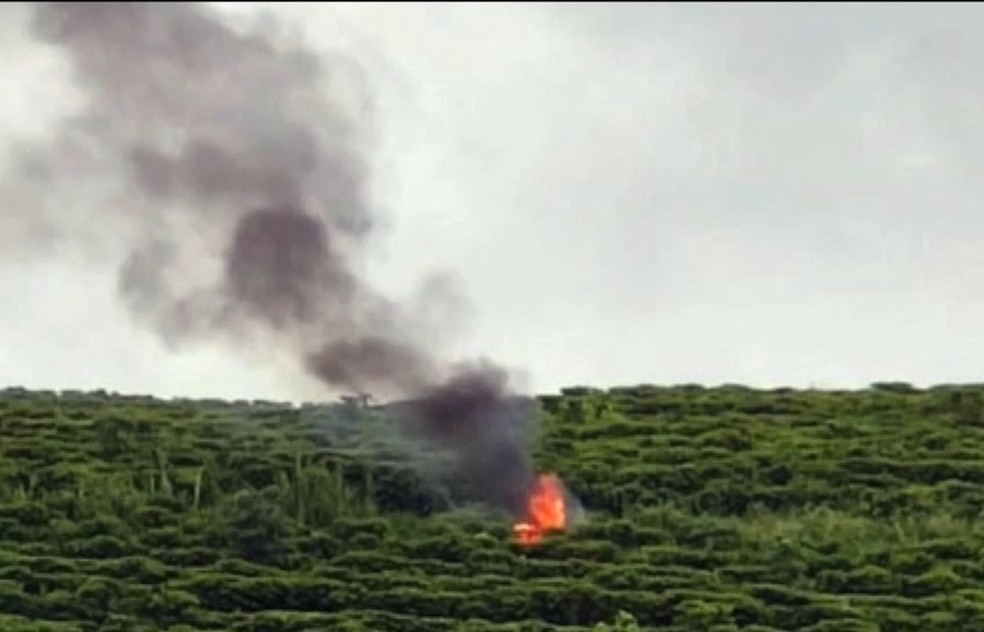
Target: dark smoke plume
(232,169)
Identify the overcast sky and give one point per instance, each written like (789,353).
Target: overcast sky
(762,194)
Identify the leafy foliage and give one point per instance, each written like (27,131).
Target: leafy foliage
(708,509)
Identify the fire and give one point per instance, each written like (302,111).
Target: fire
(546,510)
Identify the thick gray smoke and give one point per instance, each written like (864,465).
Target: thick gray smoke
(233,168)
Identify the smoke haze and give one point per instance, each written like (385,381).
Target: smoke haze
(230,170)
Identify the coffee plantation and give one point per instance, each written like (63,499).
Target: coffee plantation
(707,509)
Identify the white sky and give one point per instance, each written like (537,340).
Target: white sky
(768,194)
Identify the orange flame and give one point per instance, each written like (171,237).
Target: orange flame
(546,511)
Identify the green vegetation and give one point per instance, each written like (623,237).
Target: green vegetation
(709,510)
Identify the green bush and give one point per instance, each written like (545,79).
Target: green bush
(710,509)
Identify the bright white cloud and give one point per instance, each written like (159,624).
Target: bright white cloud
(768,194)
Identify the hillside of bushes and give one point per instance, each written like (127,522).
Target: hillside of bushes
(708,509)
